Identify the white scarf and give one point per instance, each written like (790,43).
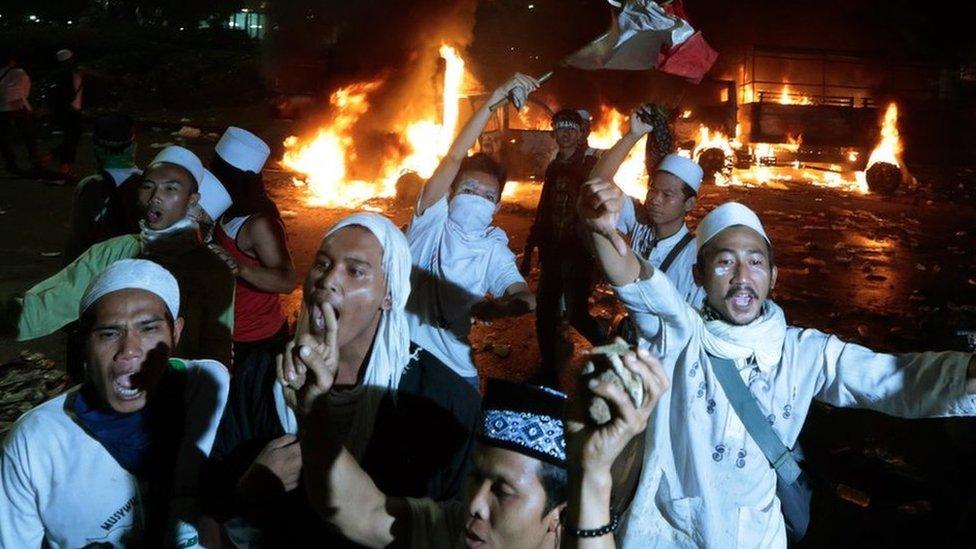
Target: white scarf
(761,339)
(391,344)
(177,239)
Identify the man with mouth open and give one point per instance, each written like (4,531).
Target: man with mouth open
(459,257)
(116,459)
(706,482)
(517,488)
(174,193)
(409,418)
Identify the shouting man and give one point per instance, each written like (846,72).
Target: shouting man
(115,460)
(740,375)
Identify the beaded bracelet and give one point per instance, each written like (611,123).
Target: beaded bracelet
(597,532)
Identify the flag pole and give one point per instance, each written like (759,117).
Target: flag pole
(542,79)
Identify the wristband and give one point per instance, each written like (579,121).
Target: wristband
(595,532)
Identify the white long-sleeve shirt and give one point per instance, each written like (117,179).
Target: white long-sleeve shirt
(705,482)
(61,486)
(15,88)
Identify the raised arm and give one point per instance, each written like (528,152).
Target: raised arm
(611,160)
(594,450)
(600,204)
(266,240)
(439,183)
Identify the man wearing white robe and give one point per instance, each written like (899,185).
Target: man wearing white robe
(705,482)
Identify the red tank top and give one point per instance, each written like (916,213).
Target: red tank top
(257,314)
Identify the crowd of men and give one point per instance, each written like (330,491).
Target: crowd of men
(201,417)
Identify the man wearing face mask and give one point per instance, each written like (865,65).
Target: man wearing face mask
(174,183)
(566,268)
(718,469)
(458,256)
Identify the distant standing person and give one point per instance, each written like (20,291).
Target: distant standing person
(66,108)
(16,115)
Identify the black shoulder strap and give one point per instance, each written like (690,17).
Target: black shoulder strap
(678,248)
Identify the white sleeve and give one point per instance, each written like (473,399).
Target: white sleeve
(502,271)
(432,219)
(206,395)
(20,521)
(909,385)
(658,309)
(628,216)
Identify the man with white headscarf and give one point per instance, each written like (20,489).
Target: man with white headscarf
(742,383)
(115,461)
(176,195)
(407,416)
(463,268)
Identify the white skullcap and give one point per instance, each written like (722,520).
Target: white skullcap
(174,154)
(135,274)
(728,215)
(585,115)
(243,150)
(214,198)
(64,55)
(684,169)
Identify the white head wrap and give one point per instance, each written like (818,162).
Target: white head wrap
(391,346)
(243,150)
(725,216)
(214,198)
(684,169)
(174,154)
(138,274)
(64,55)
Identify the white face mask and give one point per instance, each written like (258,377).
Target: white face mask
(470,212)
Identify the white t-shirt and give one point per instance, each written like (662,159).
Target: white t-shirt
(61,486)
(439,309)
(642,242)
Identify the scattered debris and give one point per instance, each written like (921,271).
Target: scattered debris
(50,254)
(919,507)
(852,495)
(188,132)
(161,145)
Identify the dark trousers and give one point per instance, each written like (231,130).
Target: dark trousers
(70,122)
(12,124)
(568,279)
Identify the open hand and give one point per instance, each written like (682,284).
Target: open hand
(516,89)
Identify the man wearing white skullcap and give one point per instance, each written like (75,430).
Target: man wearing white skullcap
(747,381)
(657,228)
(403,412)
(173,183)
(251,239)
(116,459)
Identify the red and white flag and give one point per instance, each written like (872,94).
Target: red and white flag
(647,35)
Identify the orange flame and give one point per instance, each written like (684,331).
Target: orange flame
(889,148)
(323,159)
(631,176)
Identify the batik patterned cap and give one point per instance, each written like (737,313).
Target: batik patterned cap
(526,419)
